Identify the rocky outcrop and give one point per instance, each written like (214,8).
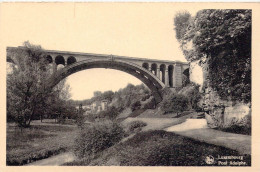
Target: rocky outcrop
(218,113)
(224,113)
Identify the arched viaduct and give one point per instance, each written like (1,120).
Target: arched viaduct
(155,74)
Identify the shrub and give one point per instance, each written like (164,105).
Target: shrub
(136,105)
(147,96)
(194,96)
(175,103)
(96,137)
(150,104)
(111,113)
(239,126)
(136,126)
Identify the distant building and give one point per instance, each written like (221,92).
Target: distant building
(98,106)
(104,104)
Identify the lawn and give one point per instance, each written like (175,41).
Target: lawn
(39,141)
(159,148)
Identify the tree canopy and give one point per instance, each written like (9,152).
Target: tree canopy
(221,41)
(27,96)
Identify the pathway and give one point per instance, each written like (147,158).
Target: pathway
(198,130)
(55,160)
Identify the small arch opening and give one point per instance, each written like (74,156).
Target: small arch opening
(71,60)
(59,60)
(49,59)
(186,77)
(162,73)
(170,71)
(154,68)
(146,66)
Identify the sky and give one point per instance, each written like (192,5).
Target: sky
(142,30)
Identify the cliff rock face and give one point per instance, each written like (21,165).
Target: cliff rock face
(196,73)
(219,113)
(224,113)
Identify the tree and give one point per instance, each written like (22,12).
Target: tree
(181,22)
(221,41)
(136,105)
(108,95)
(25,84)
(58,104)
(27,96)
(175,103)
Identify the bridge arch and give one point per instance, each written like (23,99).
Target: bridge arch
(150,80)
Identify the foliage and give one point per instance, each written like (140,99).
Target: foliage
(185,80)
(136,105)
(25,84)
(27,96)
(135,126)
(97,137)
(150,104)
(221,41)
(175,103)
(194,96)
(238,126)
(111,113)
(80,118)
(121,99)
(181,22)
(145,97)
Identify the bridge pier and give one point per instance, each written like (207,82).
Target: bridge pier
(177,76)
(54,67)
(158,72)
(167,77)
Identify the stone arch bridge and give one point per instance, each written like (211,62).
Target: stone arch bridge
(155,74)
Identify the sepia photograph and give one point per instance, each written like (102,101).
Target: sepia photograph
(127,84)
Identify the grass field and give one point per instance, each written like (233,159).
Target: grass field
(39,141)
(159,148)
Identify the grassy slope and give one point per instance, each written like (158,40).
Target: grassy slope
(37,142)
(158,148)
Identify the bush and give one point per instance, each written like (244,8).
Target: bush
(147,96)
(111,113)
(175,103)
(238,126)
(150,104)
(136,105)
(97,137)
(194,96)
(136,126)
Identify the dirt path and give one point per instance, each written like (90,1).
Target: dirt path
(55,160)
